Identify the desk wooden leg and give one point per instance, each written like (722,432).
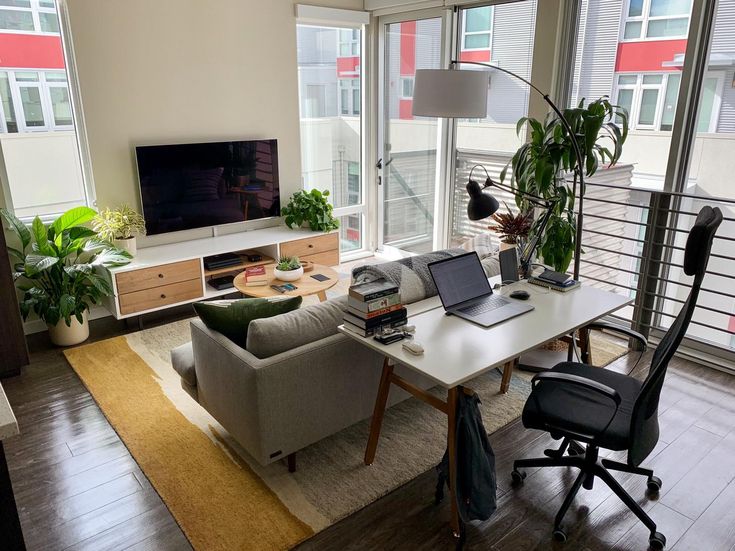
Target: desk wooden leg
(584,346)
(379,411)
(507,375)
(452,450)
(322,296)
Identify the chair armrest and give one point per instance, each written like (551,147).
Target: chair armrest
(619,329)
(568,378)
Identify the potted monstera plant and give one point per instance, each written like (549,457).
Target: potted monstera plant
(541,166)
(55,267)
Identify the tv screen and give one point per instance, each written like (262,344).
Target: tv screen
(196,185)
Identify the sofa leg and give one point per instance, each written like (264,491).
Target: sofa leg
(291,460)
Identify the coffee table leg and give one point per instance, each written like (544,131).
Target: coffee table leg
(377,421)
(322,296)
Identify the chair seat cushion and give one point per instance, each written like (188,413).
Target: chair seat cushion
(557,408)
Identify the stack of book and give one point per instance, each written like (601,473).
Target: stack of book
(255,276)
(373,305)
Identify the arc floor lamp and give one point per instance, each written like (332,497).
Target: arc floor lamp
(457,93)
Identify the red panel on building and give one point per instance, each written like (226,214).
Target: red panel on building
(348,67)
(31,51)
(638,57)
(408,48)
(405,109)
(482,56)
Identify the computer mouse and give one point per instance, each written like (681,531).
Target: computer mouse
(520,294)
(412,347)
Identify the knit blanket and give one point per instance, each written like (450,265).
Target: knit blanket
(410,274)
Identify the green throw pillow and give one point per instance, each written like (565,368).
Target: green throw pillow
(232,317)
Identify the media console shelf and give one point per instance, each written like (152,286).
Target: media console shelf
(169,275)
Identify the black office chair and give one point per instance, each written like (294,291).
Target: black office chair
(604,409)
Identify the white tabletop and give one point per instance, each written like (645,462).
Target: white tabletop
(456,350)
(8,424)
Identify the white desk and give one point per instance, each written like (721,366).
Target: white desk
(456,351)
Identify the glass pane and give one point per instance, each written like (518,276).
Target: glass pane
(31,100)
(625,99)
(7,102)
(16,3)
(627,79)
(409,151)
(351,232)
(672,94)
(647,115)
(55,76)
(670,7)
(653,79)
(633,30)
(26,76)
(47,4)
(636,8)
(61,106)
(707,104)
(49,22)
(667,27)
(479,19)
(477,41)
(16,20)
(329,102)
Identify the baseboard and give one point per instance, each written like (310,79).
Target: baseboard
(38,326)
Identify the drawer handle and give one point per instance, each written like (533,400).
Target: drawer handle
(163,296)
(160,275)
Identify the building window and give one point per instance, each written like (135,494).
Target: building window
(349,42)
(29,16)
(657,19)
(349,96)
(477,28)
(354,189)
(406,87)
(35,101)
(650,100)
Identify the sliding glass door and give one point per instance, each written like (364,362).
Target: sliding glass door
(410,147)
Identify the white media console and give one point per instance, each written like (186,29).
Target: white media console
(164,276)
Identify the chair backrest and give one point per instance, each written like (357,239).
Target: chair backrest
(644,423)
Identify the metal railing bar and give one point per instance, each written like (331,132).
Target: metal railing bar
(611,202)
(607,282)
(695,322)
(716,274)
(596,248)
(610,235)
(660,192)
(600,217)
(679,230)
(708,308)
(606,266)
(688,213)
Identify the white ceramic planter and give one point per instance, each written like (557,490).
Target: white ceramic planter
(289,275)
(130,245)
(64,335)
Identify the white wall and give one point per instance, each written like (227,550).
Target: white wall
(168,71)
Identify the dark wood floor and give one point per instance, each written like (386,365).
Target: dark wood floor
(77,486)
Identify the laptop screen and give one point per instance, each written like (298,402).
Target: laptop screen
(459,279)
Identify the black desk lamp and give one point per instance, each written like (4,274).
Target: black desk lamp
(482,205)
(454,93)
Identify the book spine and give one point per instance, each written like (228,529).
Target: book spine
(374,313)
(375,294)
(377,304)
(371,330)
(385,319)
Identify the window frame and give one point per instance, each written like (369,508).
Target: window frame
(35,9)
(402,80)
(465,33)
(43,86)
(644,19)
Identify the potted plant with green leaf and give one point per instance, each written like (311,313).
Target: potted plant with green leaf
(288,268)
(540,167)
(310,207)
(512,228)
(56,270)
(120,227)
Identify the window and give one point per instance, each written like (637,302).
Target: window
(29,16)
(407,87)
(477,28)
(651,100)
(349,96)
(35,101)
(657,19)
(349,42)
(353,183)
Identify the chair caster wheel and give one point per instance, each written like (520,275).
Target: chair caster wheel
(517,476)
(657,541)
(560,535)
(654,484)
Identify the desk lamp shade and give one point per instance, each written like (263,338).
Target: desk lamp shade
(481,205)
(450,93)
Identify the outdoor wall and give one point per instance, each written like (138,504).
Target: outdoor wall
(185,71)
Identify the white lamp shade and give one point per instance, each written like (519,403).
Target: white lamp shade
(450,93)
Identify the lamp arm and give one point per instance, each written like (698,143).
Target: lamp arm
(489,182)
(575,145)
(531,247)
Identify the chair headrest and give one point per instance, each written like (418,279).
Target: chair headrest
(700,239)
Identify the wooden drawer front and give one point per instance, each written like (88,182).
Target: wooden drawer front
(311,245)
(157,297)
(329,258)
(148,278)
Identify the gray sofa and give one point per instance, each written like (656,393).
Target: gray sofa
(297,381)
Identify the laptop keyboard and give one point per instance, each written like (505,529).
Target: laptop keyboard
(492,303)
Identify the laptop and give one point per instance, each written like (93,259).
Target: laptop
(465,291)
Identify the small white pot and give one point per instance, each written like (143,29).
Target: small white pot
(64,335)
(288,275)
(130,245)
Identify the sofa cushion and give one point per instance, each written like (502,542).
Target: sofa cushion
(270,336)
(182,359)
(232,318)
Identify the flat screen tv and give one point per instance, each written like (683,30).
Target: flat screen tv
(196,185)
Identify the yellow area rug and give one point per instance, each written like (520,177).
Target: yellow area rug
(221,497)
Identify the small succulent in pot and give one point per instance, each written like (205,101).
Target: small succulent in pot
(512,227)
(288,268)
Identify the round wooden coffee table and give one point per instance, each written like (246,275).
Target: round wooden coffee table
(306,285)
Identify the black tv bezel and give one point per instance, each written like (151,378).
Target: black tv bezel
(157,144)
